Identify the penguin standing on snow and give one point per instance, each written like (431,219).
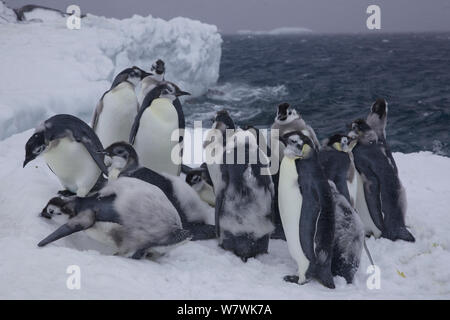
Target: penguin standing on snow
(348,237)
(244,201)
(306,209)
(139,219)
(381,198)
(337,162)
(153,129)
(196,216)
(115,112)
(72,151)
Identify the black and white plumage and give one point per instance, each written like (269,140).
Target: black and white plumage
(158,71)
(154,129)
(337,162)
(115,112)
(306,210)
(244,200)
(383,193)
(141,220)
(348,237)
(202,187)
(71,149)
(196,216)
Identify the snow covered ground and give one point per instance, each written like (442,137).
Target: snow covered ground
(47,68)
(201,269)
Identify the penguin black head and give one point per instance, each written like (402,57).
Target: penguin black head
(121,156)
(58,206)
(285,113)
(193,178)
(171,91)
(298,145)
(341,143)
(35,146)
(158,67)
(379,107)
(133,75)
(223,117)
(361,131)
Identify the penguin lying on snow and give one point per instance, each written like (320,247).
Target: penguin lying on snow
(151,135)
(115,112)
(244,200)
(383,196)
(141,220)
(307,210)
(123,161)
(348,237)
(72,151)
(202,187)
(336,159)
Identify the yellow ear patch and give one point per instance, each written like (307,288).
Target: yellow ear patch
(306,150)
(337,146)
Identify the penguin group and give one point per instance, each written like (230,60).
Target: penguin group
(124,182)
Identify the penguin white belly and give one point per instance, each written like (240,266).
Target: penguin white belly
(216,176)
(353,188)
(290,204)
(363,210)
(73,165)
(206,193)
(153,140)
(117,116)
(102,231)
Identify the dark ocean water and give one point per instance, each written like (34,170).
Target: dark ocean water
(333,79)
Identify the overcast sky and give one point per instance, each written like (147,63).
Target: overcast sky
(233,15)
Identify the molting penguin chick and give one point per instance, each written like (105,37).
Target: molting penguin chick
(115,112)
(377,120)
(214,145)
(348,237)
(288,120)
(154,126)
(196,216)
(244,201)
(337,162)
(72,151)
(307,210)
(141,220)
(158,70)
(382,200)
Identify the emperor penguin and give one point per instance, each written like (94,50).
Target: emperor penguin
(154,129)
(244,201)
(127,213)
(307,210)
(377,120)
(348,237)
(337,162)
(202,187)
(115,112)
(72,151)
(287,120)
(381,198)
(196,216)
(157,72)
(214,145)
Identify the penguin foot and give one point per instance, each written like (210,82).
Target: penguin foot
(293,279)
(401,233)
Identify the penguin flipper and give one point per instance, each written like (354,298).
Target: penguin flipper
(98,110)
(218,209)
(181,120)
(152,95)
(78,223)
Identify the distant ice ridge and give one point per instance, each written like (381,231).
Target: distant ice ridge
(277,31)
(47,68)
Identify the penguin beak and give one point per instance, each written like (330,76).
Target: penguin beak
(146,74)
(27,159)
(182,93)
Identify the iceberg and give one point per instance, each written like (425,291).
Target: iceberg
(47,68)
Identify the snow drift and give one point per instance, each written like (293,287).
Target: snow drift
(47,68)
(201,270)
